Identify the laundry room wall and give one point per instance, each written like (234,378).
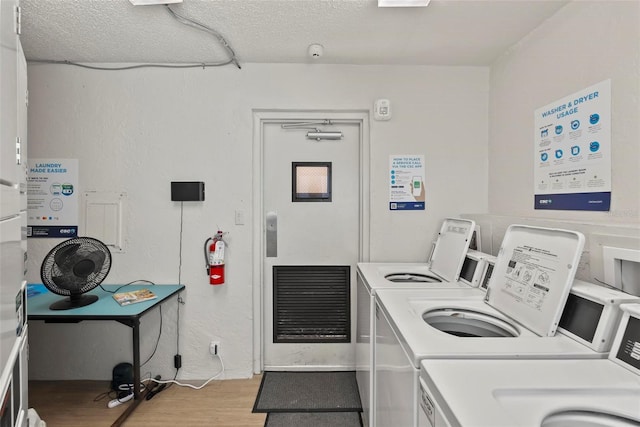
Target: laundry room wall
(135,131)
(582,44)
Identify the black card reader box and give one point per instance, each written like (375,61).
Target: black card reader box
(187,191)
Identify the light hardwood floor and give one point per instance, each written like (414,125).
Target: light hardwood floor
(225,403)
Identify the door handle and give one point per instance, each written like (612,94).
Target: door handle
(272,234)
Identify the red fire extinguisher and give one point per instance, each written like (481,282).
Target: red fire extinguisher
(214,248)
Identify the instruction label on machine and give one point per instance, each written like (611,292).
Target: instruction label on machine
(52,198)
(629,351)
(529,274)
(406,182)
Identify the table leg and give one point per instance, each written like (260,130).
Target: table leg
(136,359)
(132,407)
(138,396)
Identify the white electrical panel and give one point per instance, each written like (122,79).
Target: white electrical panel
(103,218)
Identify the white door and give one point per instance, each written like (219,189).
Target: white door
(314,224)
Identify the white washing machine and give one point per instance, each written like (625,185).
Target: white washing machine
(450,257)
(516,320)
(472,283)
(538,393)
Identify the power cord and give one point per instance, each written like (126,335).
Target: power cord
(116,397)
(180,247)
(180,300)
(155,348)
(127,397)
(191,385)
(127,284)
(128,389)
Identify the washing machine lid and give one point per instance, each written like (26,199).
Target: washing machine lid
(533,275)
(451,247)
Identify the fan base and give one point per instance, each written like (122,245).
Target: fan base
(73,302)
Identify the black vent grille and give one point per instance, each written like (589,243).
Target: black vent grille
(311,304)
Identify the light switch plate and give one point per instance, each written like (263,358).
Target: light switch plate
(239,217)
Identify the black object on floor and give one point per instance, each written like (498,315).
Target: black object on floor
(308,392)
(313,419)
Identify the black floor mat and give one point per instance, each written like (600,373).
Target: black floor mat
(308,392)
(313,419)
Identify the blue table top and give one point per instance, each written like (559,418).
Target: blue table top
(39,299)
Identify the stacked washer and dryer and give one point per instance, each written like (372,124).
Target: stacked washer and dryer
(453,270)
(525,302)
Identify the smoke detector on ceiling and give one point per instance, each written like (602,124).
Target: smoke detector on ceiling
(315,51)
(153,2)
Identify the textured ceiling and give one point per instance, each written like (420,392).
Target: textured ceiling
(472,32)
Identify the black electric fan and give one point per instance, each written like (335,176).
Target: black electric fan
(73,268)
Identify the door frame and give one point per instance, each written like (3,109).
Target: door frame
(260,118)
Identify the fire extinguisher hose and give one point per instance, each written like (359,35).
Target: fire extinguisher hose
(206,255)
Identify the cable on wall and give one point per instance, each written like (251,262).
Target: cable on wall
(180,300)
(129,67)
(202,27)
(181,19)
(180,247)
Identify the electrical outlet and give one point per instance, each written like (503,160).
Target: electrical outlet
(214,347)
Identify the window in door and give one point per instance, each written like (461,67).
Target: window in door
(311,181)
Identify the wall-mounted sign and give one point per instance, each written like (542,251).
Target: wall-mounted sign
(406,182)
(52,192)
(572,164)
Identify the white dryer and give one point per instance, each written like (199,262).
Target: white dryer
(450,257)
(538,393)
(516,320)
